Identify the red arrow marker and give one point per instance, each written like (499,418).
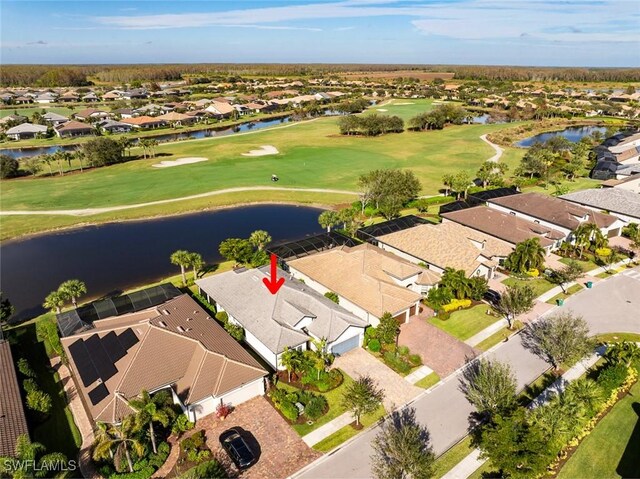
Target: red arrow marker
(273,284)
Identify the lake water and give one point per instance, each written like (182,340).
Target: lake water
(116,256)
(574,134)
(161,137)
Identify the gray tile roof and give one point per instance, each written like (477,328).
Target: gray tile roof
(272,318)
(611,199)
(27,128)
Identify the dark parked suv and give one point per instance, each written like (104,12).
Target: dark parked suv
(238,450)
(492,297)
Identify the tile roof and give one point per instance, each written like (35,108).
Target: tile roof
(176,343)
(73,126)
(272,318)
(142,120)
(12,418)
(27,128)
(365,275)
(611,199)
(554,210)
(510,228)
(448,245)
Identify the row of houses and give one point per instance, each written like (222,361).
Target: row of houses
(618,157)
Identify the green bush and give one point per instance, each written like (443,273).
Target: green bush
(29,385)
(25,368)
(39,401)
(612,377)
(369,334)
(443,315)
(415,359)
(223,317)
(181,425)
(145,473)
(323,386)
(332,296)
(335,378)
(207,470)
(157,460)
(277,396)
(315,408)
(396,363)
(195,441)
(292,397)
(403,350)
(236,332)
(374,345)
(289,410)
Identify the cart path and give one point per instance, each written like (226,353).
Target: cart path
(108,209)
(496,148)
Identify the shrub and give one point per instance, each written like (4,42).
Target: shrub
(206,470)
(335,378)
(534,273)
(195,441)
(612,377)
(277,396)
(456,304)
(604,252)
(403,350)
(292,397)
(235,331)
(323,386)
(157,460)
(289,410)
(25,368)
(369,334)
(396,363)
(374,345)
(315,408)
(181,425)
(415,359)
(223,410)
(39,401)
(332,296)
(222,316)
(29,385)
(443,315)
(305,396)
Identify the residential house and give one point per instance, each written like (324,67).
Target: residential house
(448,245)
(13,119)
(368,281)
(124,112)
(629,183)
(134,94)
(54,119)
(69,97)
(291,318)
(220,109)
(145,122)
(112,95)
(177,119)
(503,226)
(47,97)
(621,203)
(22,100)
(150,110)
(26,130)
(74,128)
(113,126)
(91,114)
(176,346)
(555,213)
(90,97)
(13,423)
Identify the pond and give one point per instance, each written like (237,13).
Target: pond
(117,256)
(574,134)
(161,137)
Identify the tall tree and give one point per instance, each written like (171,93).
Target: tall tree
(113,441)
(561,338)
(490,386)
(362,396)
(328,219)
(150,409)
(527,255)
(73,288)
(55,300)
(567,274)
(456,281)
(196,262)
(259,239)
(402,448)
(181,258)
(6,310)
(387,329)
(491,172)
(516,300)
(460,184)
(237,249)
(586,235)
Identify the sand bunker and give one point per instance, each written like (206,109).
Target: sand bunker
(264,150)
(405,103)
(181,161)
(382,109)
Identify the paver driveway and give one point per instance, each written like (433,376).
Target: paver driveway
(282,451)
(359,362)
(440,351)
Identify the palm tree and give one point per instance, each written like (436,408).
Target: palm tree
(527,255)
(259,239)
(196,262)
(327,219)
(55,300)
(457,282)
(588,234)
(447,181)
(114,440)
(25,463)
(73,288)
(150,409)
(288,360)
(181,258)
(47,160)
(61,156)
(144,144)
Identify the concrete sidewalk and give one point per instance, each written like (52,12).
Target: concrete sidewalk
(314,437)
(486,332)
(472,462)
(418,374)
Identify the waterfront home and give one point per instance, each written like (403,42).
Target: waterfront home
(91,114)
(368,280)
(68,97)
(74,128)
(220,109)
(291,318)
(47,97)
(54,119)
(145,122)
(13,119)
(622,201)
(26,130)
(177,119)
(175,345)
(13,422)
(113,126)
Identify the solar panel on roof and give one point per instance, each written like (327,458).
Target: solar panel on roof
(127,338)
(100,358)
(112,346)
(84,365)
(98,393)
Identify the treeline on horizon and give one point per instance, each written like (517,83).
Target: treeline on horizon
(82,75)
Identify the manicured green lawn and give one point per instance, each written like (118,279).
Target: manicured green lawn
(404,108)
(539,285)
(452,457)
(334,398)
(587,264)
(617,337)
(58,433)
(613,447)
(428,381)
(572,290)
(347,432)
(61,110)
(465,323)
(498,337)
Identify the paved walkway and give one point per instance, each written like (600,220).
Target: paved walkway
(397,391)
(472,462)
(486,332)
(495,147)
(418,374)
(85,463)
(314,437)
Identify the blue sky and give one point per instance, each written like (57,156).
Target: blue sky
(498,32)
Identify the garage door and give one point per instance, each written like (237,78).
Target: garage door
(346,345)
